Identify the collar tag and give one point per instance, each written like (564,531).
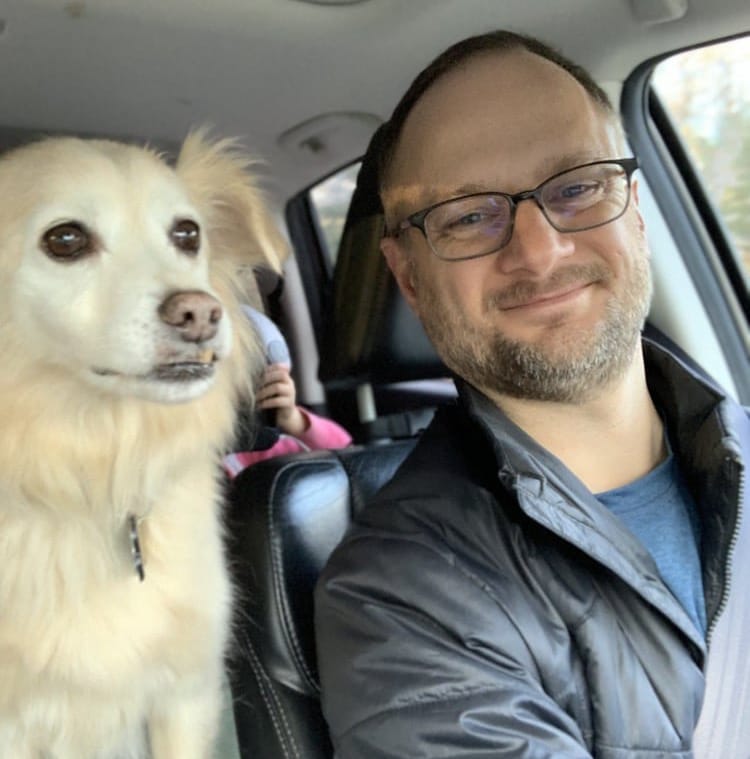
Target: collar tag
(135,547)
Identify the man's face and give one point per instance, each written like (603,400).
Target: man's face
(551,316)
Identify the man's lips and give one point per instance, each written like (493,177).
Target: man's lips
(552,298)
(562,286)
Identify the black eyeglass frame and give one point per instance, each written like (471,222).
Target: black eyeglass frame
(417,219)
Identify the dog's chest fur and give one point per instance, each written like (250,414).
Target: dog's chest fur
(80,633)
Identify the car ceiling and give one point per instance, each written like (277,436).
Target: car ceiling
(303,84)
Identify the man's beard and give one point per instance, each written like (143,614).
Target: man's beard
(568,366)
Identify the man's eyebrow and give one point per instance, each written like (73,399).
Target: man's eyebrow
(570,161)
(401,209)
(470,189)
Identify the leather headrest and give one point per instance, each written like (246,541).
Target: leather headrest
(370,332)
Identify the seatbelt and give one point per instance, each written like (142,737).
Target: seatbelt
(723,730)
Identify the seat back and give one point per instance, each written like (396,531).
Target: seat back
(374,352)
(370,333)
(285,517)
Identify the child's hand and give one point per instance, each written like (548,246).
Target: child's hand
(277,391)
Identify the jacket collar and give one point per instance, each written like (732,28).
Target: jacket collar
(550,494)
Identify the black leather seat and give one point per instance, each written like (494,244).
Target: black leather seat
(285,517)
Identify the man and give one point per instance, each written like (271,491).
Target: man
(544,575)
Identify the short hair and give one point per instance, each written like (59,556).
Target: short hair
(497,41)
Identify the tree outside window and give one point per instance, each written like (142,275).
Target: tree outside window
(706,92)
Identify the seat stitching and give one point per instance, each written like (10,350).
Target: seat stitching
(274,709)
(278,585)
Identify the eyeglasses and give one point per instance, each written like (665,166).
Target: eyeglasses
(573,200)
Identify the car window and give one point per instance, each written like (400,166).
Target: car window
(329,201)
(706,94)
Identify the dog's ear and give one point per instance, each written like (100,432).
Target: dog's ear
(219,179)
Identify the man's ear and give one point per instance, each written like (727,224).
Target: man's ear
(401,268)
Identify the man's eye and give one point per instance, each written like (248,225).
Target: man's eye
(467,219)
(464,225)
(579,189)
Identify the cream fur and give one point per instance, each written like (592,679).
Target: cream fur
(94,663)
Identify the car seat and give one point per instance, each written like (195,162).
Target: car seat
(287,514)
(285,517)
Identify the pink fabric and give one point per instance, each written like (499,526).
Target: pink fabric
(321,434)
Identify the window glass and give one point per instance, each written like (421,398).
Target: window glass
(706,93)
(330,201)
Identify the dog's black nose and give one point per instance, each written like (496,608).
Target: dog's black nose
(194,314)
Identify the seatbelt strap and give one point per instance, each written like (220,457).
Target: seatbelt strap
(400,425)
(723,730)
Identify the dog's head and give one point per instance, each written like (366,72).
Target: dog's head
(116,268)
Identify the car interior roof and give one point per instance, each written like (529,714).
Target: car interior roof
(302,83)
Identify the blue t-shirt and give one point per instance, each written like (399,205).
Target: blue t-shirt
(659,510)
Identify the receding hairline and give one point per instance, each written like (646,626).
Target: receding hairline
(459,56)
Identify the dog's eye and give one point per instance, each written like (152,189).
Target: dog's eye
(186,236)
(66,242)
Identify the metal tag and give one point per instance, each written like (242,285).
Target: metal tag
(135,547)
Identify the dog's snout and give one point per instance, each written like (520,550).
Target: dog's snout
(195,315)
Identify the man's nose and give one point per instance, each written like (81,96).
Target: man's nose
(535,245)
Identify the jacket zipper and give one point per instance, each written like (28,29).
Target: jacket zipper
(731,549)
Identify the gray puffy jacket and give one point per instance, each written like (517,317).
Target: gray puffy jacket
(487,605)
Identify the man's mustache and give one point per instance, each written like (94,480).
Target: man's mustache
(526,290)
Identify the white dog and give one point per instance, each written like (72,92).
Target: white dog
(123,356)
